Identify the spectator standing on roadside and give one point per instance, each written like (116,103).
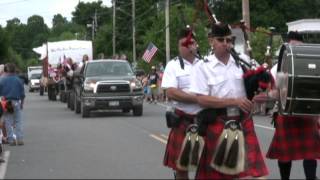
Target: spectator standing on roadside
(12,89)
(154,78)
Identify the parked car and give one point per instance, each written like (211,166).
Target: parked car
(107,84)
(34,82)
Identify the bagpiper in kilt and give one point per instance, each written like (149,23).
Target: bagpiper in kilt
(254,166)
(175,139)
(295,137)
(219,85)
(176,81)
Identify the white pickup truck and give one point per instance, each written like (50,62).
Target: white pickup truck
(34,79)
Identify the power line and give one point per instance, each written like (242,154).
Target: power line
(15,2)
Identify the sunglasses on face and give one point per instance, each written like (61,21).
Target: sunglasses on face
(222,39)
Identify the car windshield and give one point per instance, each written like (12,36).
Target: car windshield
(108,68)
(35,76)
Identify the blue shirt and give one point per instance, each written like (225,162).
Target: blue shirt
(11,87)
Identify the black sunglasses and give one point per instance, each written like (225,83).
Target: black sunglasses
(222,39)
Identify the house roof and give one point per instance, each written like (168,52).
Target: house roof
(304,25)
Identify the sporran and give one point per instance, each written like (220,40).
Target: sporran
(191,149)
(229,156)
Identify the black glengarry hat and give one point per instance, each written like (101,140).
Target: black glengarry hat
(186,32)
(220,30)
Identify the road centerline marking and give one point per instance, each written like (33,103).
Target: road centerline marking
(158,138)
(164,136)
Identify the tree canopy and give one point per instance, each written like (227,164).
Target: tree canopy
(18,39)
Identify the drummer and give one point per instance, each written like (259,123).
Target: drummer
(295,138)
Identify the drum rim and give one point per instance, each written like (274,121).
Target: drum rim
(286,48)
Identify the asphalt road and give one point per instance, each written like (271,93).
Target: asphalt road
(109,145)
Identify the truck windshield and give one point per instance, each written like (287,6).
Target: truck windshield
(108,68)
(35,76)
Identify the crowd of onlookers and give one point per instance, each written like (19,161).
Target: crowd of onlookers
(151,83)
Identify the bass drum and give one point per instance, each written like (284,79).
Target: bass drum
(298,79)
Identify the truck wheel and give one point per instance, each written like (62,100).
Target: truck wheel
(53,94)
(77,105)
(125,110)
(62,96)
(68,99)
(41,90)
(84,111)
(137,111)
(49,93)
(71,101)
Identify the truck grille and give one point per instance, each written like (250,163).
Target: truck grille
(105,88)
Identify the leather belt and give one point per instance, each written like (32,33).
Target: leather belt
(185,116)
(228,112)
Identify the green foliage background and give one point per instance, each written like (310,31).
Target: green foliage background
(18,39)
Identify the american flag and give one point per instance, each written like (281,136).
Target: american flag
(149,52)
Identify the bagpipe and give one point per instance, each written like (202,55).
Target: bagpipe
(257,78)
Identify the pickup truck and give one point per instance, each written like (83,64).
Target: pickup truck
(107,85)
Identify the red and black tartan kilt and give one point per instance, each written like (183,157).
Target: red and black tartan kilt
(174,143)
(295,138)
(254,162)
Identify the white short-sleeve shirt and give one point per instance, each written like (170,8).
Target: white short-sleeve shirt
(175,77)
(214,78)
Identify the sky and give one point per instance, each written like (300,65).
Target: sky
(23,9)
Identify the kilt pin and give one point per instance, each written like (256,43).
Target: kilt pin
(254,162)
(295,138)
(175,141)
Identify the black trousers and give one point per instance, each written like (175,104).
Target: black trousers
(309,166)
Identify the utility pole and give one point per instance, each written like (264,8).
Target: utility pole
(114,28)
(134,33)
(246,12)
(95,21)
(92,30)
(93,25)
(246,19)
(167,31)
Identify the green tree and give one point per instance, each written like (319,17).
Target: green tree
(103,41)
(18,38)
(85,14)
(260,42)
(37,31)
(4,45)
(62,29)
